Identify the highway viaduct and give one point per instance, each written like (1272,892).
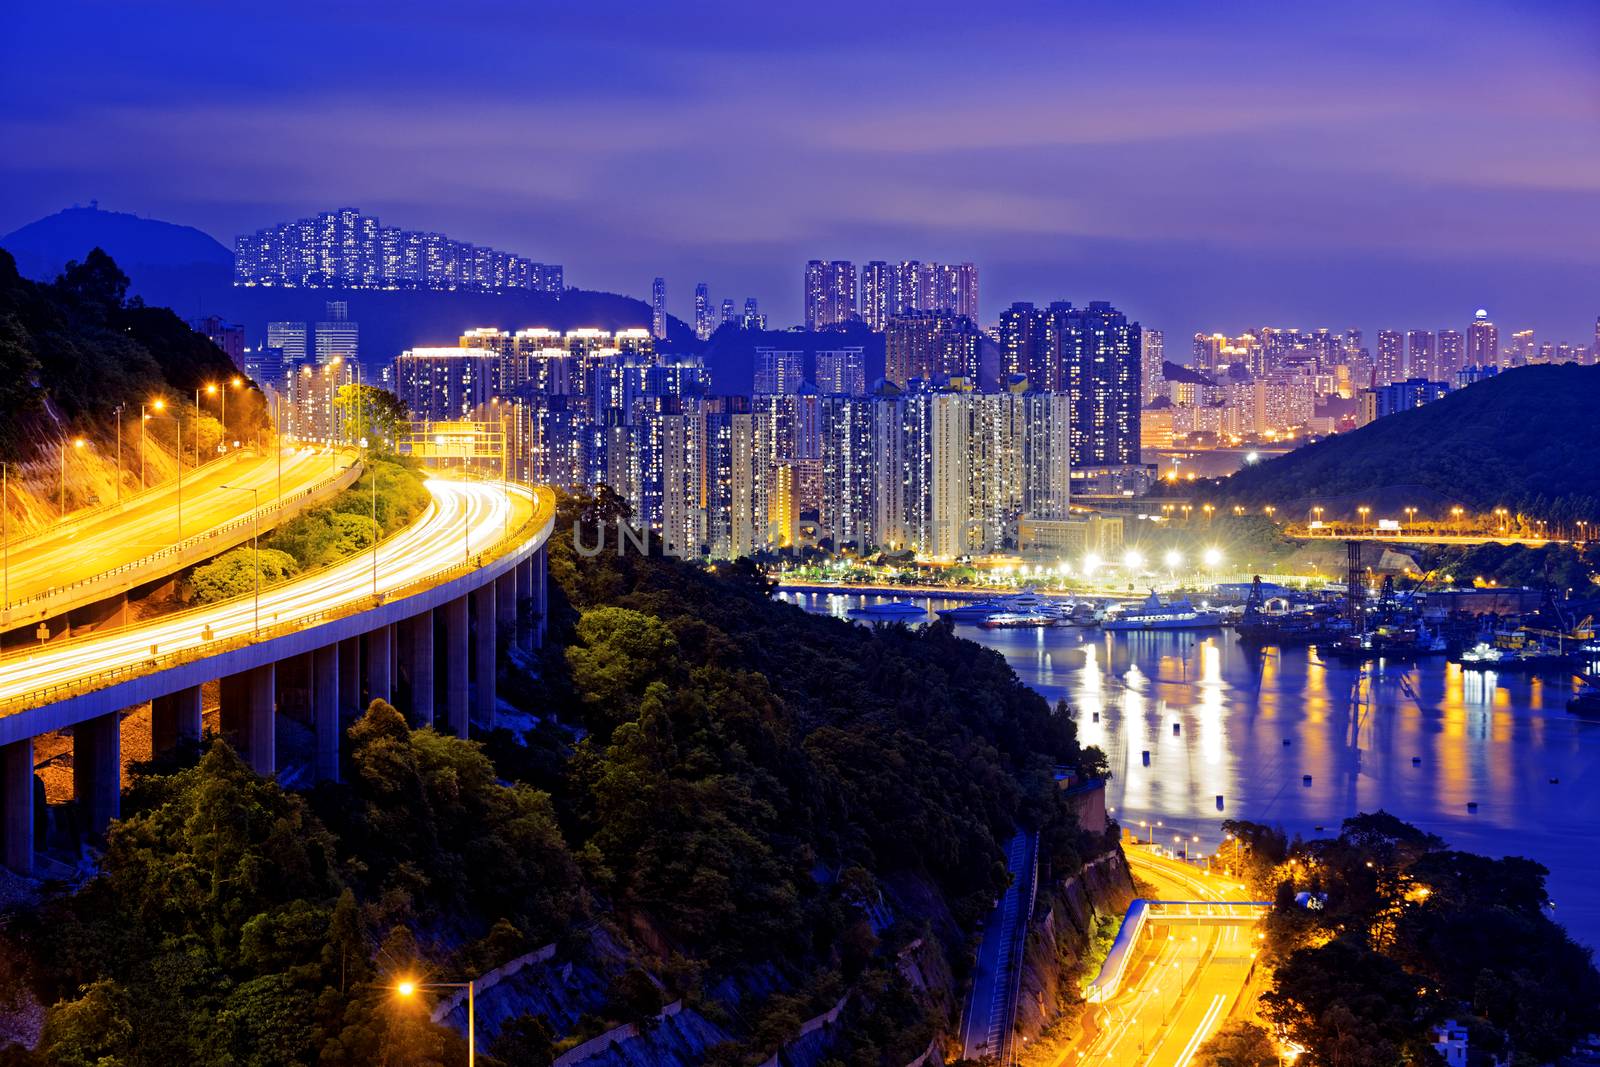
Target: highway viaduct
(429,644)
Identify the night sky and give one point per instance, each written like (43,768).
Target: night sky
(1204,164)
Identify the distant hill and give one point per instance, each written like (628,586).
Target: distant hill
(1526,438)
(730,354)
(43,248)
(189,271)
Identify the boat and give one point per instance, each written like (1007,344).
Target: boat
(1585,701)
(891,611)
(1028,602)
(1016,620)
(1399,642)
(1155,614)
(1315,624)
(1487,656)
(975,612)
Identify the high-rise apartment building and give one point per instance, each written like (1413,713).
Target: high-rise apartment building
(337,337)
(704,313)
(842,371)
(753,318)
(830,293)
(1391,365)
(225,335)
(1451,353)
(931,345)
(877,282)
(1152,355)
(1524,349)
(658,308)
(1022,333)
(727,312)
(442,384)
(1483,341)
(345,249)
(290,337)
(1421,361)
(779,371)
(891,289)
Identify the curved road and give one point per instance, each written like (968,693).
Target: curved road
(93,544)
(1183,986)
(465,518)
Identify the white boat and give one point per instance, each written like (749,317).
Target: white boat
(1027,602)
(1155,614)
(1014,620)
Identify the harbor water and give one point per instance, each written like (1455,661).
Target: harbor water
(1422,741)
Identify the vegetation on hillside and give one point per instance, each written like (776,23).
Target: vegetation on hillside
(1521,440)
(322,535)
(75,348)
(761,806)
(1396,932)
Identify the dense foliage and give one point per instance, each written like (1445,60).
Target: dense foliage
(1383,932)
(761,807)
(76,347)
(1520,440)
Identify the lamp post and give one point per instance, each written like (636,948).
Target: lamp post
(157,404)
(255,542)
(5,526)
(1363,511)
(408,988)
(77,444)
(118,411)
(178,442)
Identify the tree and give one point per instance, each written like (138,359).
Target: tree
(370,412)
(1239,1044)
(234,573)
(525,1041)
(92,1031)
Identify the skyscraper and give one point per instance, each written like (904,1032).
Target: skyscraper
(337,337)
(1094,354)
(1152,355)
(727,312)
(1451,354)
(289,336)
(1391,366)
(704,326)
(1022,334)
(830,293)
(931,345)
(753,318)
(779,371)
(1483,341)
(658,308)
(876,283)
(842,372)
(438,384)
(1420,355)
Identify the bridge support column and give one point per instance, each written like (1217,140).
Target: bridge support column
(420,668)
(525,621)
(262,751)
(350,677)
(380,663)
(483,651)
(16,800)
(505,606)
(539,568)
(174,718)
(325,710)
(455,661)
(97,769)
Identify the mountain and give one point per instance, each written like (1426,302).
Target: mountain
(730,354)
(44,247)
(1524,439)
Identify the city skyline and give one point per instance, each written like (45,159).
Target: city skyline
(1191,189)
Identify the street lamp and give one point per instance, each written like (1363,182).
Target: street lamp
(1212,557)
(77,444)
(408,988)
(255,541)
(1363,511)
(157,404)
(1411,517)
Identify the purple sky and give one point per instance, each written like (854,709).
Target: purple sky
(1204,165)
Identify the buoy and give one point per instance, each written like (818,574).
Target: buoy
(1146,755)
(1097,716)
(1318,829)
(1555,781)
(1285,742)
(1219,801)
(1416,761)
(1176,728)
(1305,779)
(1472,805)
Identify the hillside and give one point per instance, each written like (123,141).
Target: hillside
(189,271)
(1525,439)
(44,247)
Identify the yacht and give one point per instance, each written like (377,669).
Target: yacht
(891,611)
(1015,620)
(1028,602)
(1155,614)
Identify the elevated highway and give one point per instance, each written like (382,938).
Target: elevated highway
(102,554)
(426,615)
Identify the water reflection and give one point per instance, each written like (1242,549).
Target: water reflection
(1252,723)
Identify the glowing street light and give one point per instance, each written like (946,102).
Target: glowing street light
(1363,511)
(408,988)
(1212,557)
(77,445)
(1132,560)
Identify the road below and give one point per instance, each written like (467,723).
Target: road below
(465,518)
(100,541)
(1184,981)
(989,1015)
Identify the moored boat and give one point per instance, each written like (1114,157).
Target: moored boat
(1155,614)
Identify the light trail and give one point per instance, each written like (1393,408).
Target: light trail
(464,519)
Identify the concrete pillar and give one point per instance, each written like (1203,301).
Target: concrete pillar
(97,769)
(455,665)
(483,656)
(524,576)
(174,718)
(420,668)
(350,677)
(505,606)
(262,750)
(16,801)
(379,663)
(233,700)
(325,711)
(540,567)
